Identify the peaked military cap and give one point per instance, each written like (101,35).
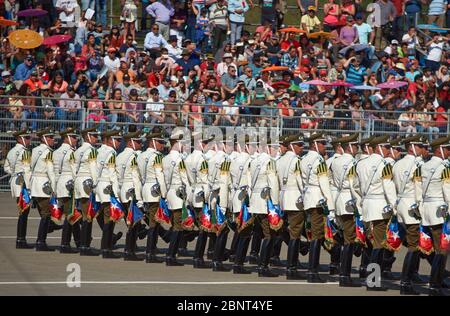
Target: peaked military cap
(45,132)
(68,132)
(111,133)
(415,139)
(21,133)
(157,136)
(366,141)
(177,134)
(379,140)
(396,142)
(440,142)
(293,139)
(135,136)
(316,137)
(91,130)
(351,139)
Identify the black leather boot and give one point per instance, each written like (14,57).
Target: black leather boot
(130,246)
(199,252)
(415,276)
(386,268)
(65,239)
(21,241)
(150,251)
(234,243)
(85,240)
(211,245)
(107,242)
(304,247)
(436,277)
(312,275)
(292,261)
(256,245)
(217,264)
(53,227)
(345,279)
(115,237)
(406,286)
(241,252)
(171,259)
(275,260)
(141,231)
(335,255)
(41,244)
(365,259)
(263,268)
(376,257)
(164,234)
(76,233)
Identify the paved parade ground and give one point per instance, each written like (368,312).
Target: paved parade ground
(27,272)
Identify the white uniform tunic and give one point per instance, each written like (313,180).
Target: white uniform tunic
(240,177)
(129,177)
(150,167)
(290,181)
(343,179)
(64,165)
(85,168)
(174,169)
(42,170)
(197,172)
(106,174)
(18,161)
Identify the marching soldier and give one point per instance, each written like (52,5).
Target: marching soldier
(264,186)
(107,184)
(408,182)
(154,188)
(177,185)
(64,166)
(85,177)
(291,199)
(316,199)
(43,183)
(17,164)
(130,187)
(219,180)
(335,251)
(343,176)
(436,197)
(197,172)
(378,195)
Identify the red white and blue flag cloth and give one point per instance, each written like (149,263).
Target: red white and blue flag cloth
(445,235)
(93,207)
(116,209)
(393,240)
(425,241)
(274,215)
(244,218)
(360,231)
(205,219)
(24,201)
(219,220)
(163,214)
(187,218)
(56,212)
(330,230)
(134,215)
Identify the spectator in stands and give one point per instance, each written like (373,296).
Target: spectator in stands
(69,108)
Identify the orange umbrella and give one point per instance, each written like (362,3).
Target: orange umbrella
(275,68)
(25,39)
(5,22)
(292,30)
(321,34)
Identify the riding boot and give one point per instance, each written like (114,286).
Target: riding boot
(365,260)
(41,244)
(107,242)
(141,231)
(65,239)
(85,241)
(335,258)
(406,286)
(115,237)
(76,233)
(217,264)
(199,252)
(415,276)
(165,234)
(313,269)
(150,251)
(345,279)
(376,257)
(234,243)
(292,261)
(241,252)
(275,255)
(52,227)
(21,241)
(256,245)
(436,277)
(211,245)
(171,257)
(130,245)
(386,267)
(266,250)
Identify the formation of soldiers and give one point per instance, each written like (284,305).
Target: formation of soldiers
(363,179)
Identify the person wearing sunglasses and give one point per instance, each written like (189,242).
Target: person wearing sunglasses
(17,164)
(377,197)
(317,193)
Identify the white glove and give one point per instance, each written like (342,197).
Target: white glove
(140,204)
(332,215)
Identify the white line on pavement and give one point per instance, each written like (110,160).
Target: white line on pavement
(169,282)
(12,217)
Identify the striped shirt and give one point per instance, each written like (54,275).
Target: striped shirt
(218,14)
(436,7)
(356,76)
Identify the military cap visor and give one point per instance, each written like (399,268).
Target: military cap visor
(155,136)
(133,136)
(366,141)
(441,142)
(24,132)
(112,133)
(416,139)
(293,139)
(45,132)
(381,140)
(68,132)
(351,139)
(318,137)
(91,130)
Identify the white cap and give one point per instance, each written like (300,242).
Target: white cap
(6,73)
(394,41)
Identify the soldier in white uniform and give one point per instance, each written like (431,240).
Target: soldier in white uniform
(197,172)
(43,183)
(85,177)
(264,186)
(291,199)
(219,181)
(130,187)
(17,164)
(317,199)
(343,175)
(107,184)
(378,196)
(177,183)
(435,200)
(335,251)
(153,189)
(64,166)
(408,182)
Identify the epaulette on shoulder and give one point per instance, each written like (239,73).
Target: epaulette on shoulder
(387,171)
(322,168)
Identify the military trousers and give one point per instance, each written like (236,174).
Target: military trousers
(150,210)
(65,203)
(379,232)
(349,228)
(436,231)
(175,220)
(296,221)
(412,237)
(43,206)
(317,223)
(105,212)
(263,221)
(83,206)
